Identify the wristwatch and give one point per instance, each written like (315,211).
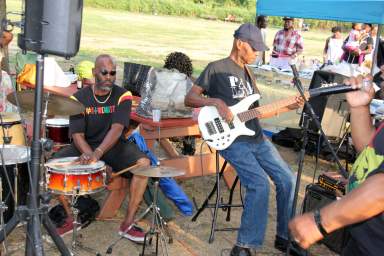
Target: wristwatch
(317,218)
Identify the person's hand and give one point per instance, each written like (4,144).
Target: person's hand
(304,230)
(356,52)
(360,97)
(298,104)
(88,158)
(223,110)
(299,101)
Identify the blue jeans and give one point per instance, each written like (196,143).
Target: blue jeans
(254,162)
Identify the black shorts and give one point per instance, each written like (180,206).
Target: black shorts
(120,156)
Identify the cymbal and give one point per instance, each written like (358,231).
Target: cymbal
(57,105)
(158,171)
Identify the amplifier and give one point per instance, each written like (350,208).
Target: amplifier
(316,197)
(332,182)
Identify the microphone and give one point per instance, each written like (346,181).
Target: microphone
(328,90)
(331,88)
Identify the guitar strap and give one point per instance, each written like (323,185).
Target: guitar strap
(252,78)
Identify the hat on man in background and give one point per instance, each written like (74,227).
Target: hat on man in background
(288,18)
(252,35)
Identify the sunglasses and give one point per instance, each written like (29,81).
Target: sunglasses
(105,72)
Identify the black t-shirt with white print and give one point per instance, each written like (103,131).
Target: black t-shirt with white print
(100,114)
(226,80)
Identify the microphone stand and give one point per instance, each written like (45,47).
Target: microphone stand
(305,124)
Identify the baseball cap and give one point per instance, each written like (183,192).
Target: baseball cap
(252,35)
(288,18)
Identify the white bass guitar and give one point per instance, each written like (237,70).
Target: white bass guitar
(219,134)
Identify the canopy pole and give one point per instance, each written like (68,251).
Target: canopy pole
(374,57)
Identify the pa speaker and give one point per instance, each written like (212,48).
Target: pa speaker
(52,27)
(319,103)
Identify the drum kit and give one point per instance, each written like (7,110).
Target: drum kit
(63,176)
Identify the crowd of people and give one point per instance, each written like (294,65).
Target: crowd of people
(356,48)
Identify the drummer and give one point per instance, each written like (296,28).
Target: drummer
(98,134)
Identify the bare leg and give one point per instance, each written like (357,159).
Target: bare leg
(64,201)
(136,192)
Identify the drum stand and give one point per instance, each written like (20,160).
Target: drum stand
(76,244)
(157,224)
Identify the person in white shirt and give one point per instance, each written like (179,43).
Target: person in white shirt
(333,47)
(261,23)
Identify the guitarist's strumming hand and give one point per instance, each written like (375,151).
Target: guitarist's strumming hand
(223,110)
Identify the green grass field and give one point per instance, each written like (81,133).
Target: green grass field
(147,39)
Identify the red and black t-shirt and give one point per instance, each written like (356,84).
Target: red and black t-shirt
(100,113)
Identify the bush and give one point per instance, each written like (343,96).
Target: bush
(243,10)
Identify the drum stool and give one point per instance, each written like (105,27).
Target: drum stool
(117,188)
(218,202)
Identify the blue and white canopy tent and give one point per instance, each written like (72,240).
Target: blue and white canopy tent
(362,11)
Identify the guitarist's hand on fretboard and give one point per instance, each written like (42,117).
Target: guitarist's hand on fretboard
(298,104)
(223,110)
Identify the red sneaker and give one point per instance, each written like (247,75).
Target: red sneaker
(132,232)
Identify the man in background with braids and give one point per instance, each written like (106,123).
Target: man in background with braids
(182,63)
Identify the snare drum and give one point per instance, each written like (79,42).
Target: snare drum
(58,130)
(16,159)
(67,179)
(11,129)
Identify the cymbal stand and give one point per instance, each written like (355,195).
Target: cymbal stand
(157,224)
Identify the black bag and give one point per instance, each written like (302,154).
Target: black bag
(57,215)
(288,137)
(88,209)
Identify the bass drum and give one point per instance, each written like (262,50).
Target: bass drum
(16,160)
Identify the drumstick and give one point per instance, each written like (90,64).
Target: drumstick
(124,170)
(59,164)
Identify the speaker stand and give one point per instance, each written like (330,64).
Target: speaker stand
(34,213)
